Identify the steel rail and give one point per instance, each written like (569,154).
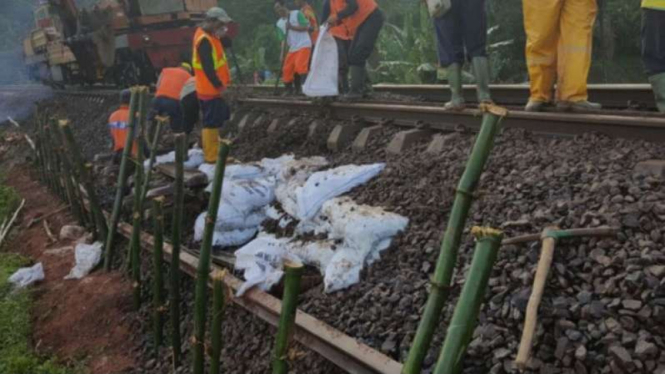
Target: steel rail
(609,95)
(436,118)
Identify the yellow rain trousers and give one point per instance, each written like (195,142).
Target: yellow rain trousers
(210,141)
(558,47)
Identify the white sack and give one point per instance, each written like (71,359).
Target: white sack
(87,257)
(234,171)
(294,175)
(322,79)
(195,159)
(365,231)
(26,276)
(325,185)
(262,261)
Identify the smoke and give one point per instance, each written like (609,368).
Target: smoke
(18,102)
(16,22)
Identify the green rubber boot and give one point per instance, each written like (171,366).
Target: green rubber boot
(658,85)
(481,69)
(357,86)
(455,81)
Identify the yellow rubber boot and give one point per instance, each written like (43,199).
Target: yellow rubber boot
(210,140)
(541,23)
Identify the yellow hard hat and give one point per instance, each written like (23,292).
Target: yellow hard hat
(187,66)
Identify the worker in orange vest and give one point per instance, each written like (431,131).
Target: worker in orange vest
(343,40)
(167,97)
(212,76)
(119,127)
(292,30)
(362,20)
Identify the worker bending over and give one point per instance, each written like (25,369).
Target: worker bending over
(558,48)
(462,35)
(362,21)
(653,49)
(343,40)
(167,96)
(119,127)
(212,76)
(293,29)
(309,13)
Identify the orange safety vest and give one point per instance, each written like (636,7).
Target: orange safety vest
(171,82)
(119,126)
(353,22)
(203,86)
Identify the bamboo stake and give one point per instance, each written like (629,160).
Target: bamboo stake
(122,177)
(85,175)
(6,227)
(26,136)
(203,270)
(603,231)
(158,264)
(176,227)
(151,162)
(531,321)
(448,255)
(135,242)
(68,175)
(217,317)
(293,274)
(460,330)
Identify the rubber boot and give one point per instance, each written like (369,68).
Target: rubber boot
(658,85)
(357,85)
(297,85)
(481,68)
(535,106)
(455,81)
(289,89)
(210,140)
(343,82)
(300,81)
(583,106)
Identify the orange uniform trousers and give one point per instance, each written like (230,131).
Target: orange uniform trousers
(296,63)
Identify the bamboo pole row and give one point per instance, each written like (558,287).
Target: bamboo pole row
(179,201)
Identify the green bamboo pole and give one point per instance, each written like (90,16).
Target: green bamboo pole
(203,271)
(460,330)
(55,163)
(217,316)
(84,172)
(448,255)
(135,241)
(176,228)
(158,265)
(151,162)
(287,317)
(78,205)
(122,177)
(52,171)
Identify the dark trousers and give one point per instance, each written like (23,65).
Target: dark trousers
(343,53)
(189,106)
(167,107)
(215,112)
(462,32)
(367,34)
(653,41)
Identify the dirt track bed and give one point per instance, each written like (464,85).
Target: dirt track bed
(603,295)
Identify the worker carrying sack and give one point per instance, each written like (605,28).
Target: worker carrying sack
(437,8)
(323,74)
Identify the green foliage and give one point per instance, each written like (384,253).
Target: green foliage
(9,201)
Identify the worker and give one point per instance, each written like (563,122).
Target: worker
(308,11)
(343,40)
(167,95)
(558,48)
(189,105)
(119,127)
(363,21)
(293,31)
(461,34)
(212,76)
(653,51)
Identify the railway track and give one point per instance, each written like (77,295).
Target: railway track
(611,96)
(436,118)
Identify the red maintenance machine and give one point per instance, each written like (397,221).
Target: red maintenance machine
(114,42)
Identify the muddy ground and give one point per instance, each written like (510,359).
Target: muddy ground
(604,307)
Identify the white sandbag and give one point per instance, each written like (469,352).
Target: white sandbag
(294,175)
(195,158)
(235,171)
(365,231)
(322,79)
(273,166)
(24,277)
(262,261)
(325,185)
(249,194)
(87,257)
(233,238)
